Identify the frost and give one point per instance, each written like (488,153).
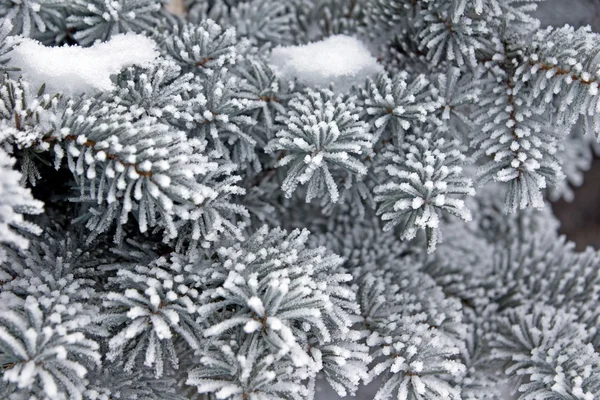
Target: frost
(15,201)
(73,70)
(171,228)
(341,60)
(323,136)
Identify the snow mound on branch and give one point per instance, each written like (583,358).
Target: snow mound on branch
(73,69)
(341,60)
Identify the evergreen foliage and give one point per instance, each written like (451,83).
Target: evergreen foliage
(32,18)
(263,22)
(206,228)
(322,136)
(201,47)
(422,181)
(100,19)
(394,105)
(15,200)
(6,46)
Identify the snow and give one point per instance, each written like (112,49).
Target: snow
(341,60)
(256,305)
(74,70)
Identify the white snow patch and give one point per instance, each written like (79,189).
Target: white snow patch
(73,69)
(341,60)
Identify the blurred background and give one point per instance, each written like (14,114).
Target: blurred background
(580,218)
